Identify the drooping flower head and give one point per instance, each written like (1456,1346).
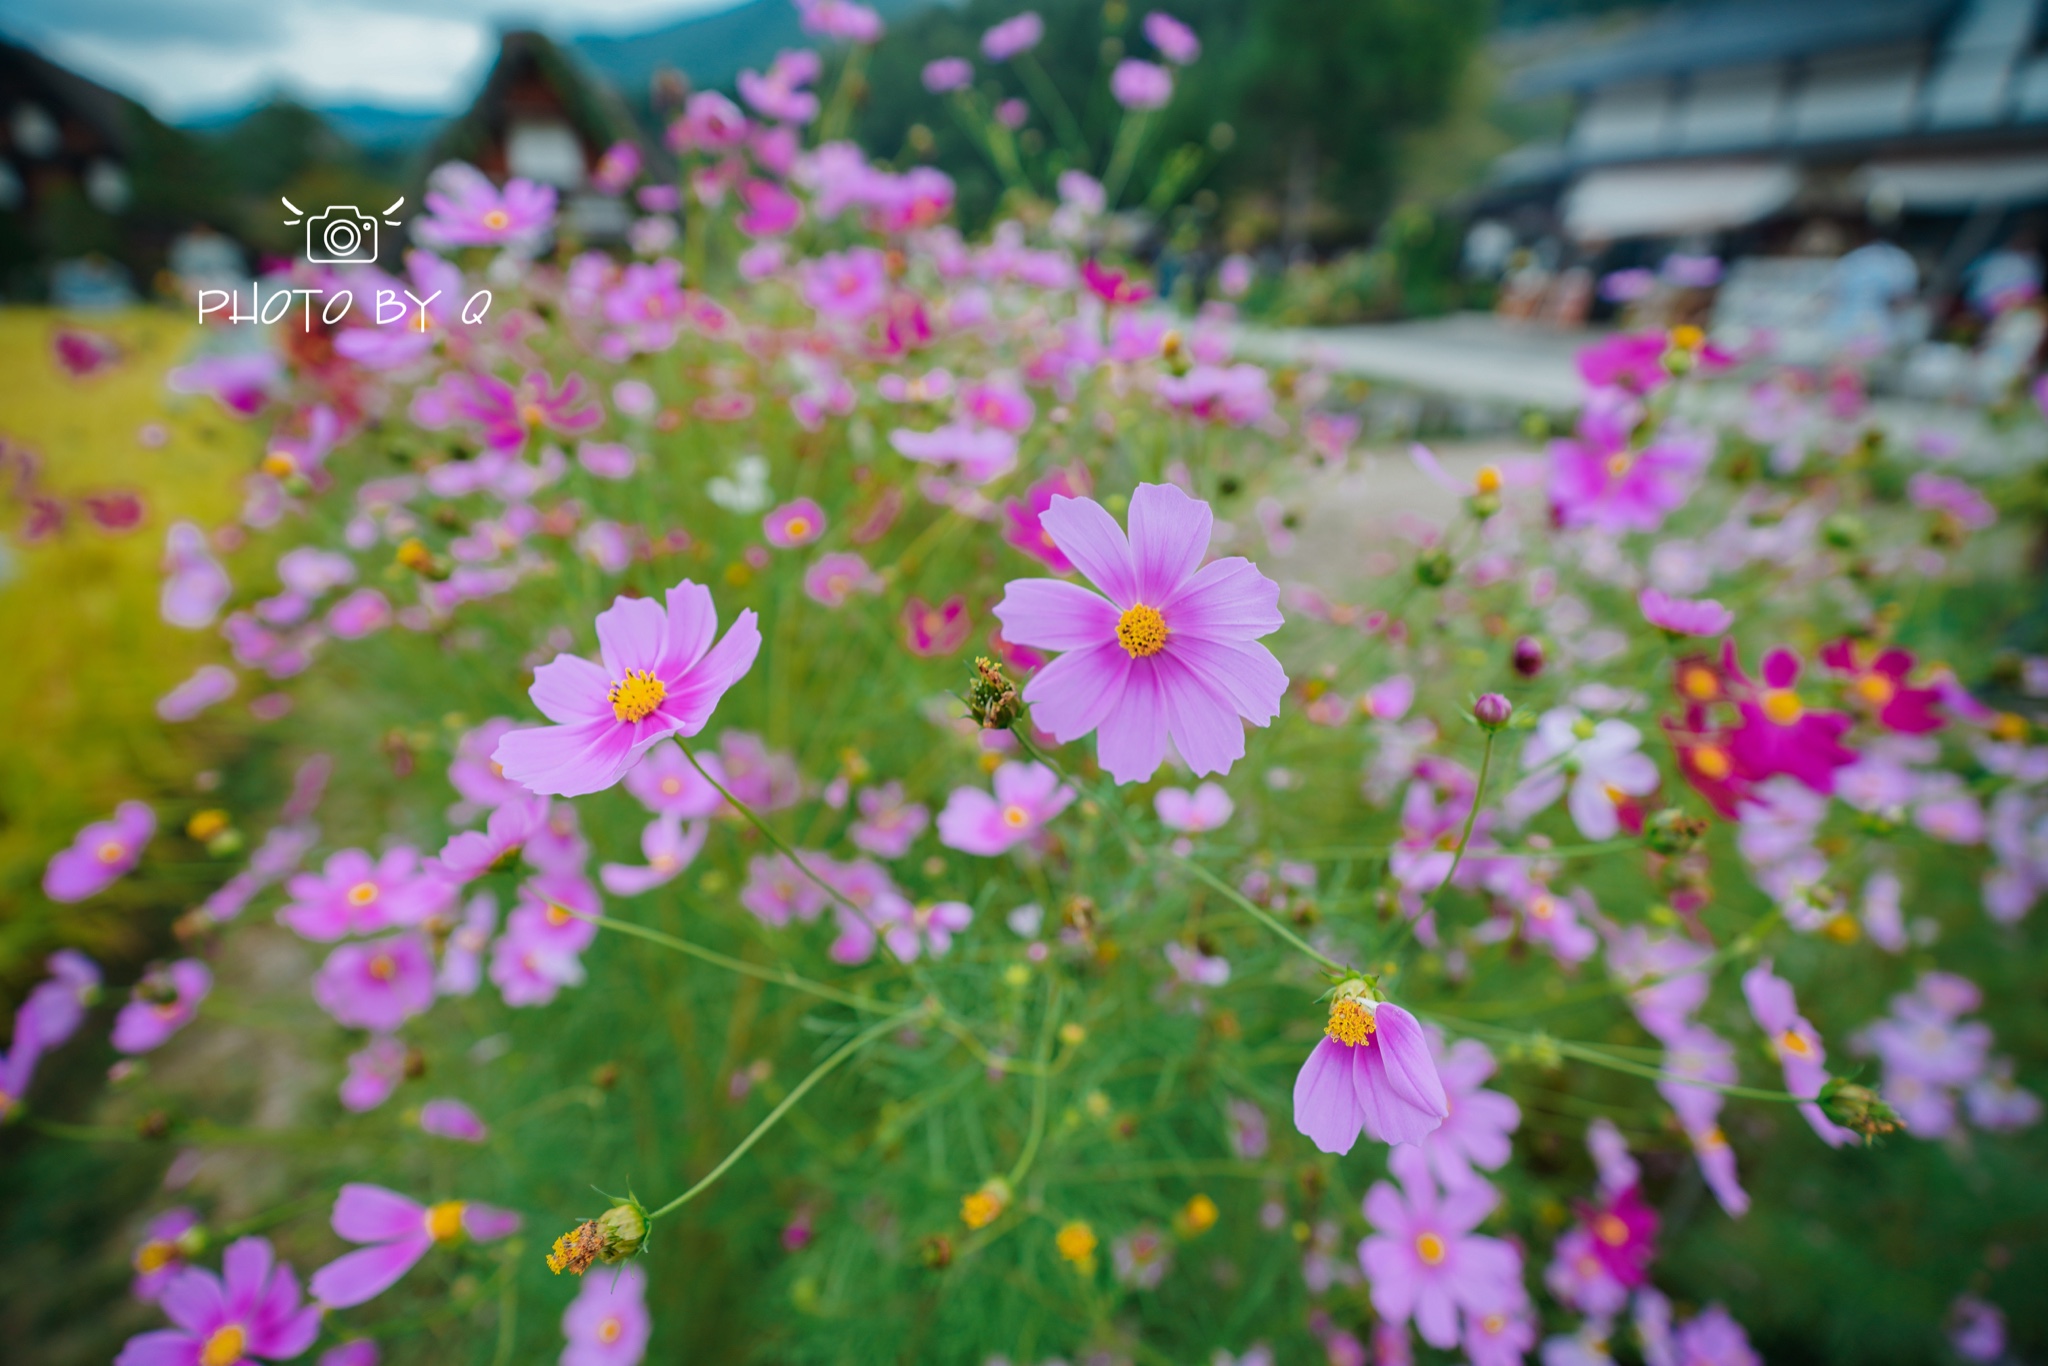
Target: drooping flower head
(168,1244)
(660,675)
(1167,649)
(1370,1072)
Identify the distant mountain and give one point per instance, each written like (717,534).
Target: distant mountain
(384,130)
(710,49)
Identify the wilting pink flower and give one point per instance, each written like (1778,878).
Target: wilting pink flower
(1027,797)
(1175,41)
(888,825)
(1013,37)
(660,676)
(374,1072)
(469,855)
(195,586)
(770,210)
(936,631)
(835,578)
(240,383)
(780,94)
(398,1232)
(376,983)
(1796,1045)
(1684,616)
(928,927)
(1424,1261)
(840,19)
(1477,1121)
(668,846)
(1208,807)
(1940,493)
(354,894)
(1022,527)
(980,454)
(1168,650)
(607,1323)
(165,1001)
(251,1310)
(452,1119)
(850,285)
(948,74)
(710,123)
(168,1242)
(1114,287)
(466,210)
(100,854)
(1609,769)
(1371,1071)
(209,684)
(1634,363)
(1141,85)
(616,169)
(794,524)
(1779,734)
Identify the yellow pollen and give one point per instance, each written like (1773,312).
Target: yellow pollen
(1542,908)
(224,1348)
(797,527)
(1618,464)
(155,1255)
(1141,631)
(1711,761)
(980,1209)
(1792,1042)
(1712,1139)
(1489,479)
(1783,706)
(532,415)
(1687,337)
(113,851)
(444,1221)
(1611,1230)
(609,1330)
(1430,1248)
(497,220)
(671,786)
(280,465)
(2009,726)
(382,968)
(1876,689)
(635,696)
(1700,684)
(362,894)
(1015,817)
(1494,1324)
(1076,1241)
(1613,793)
(556,915)
(1351,1021)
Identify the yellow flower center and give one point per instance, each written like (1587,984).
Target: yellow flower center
(1711,761)
(1200,1214)
(533,415)
(1618,464)
(1494,1324)
(362,894)
(557,915)
(1542,908)
(1076,1241)
(112,851)
(1488,480)
(1351,1021)
(797,527)
(497,220)
(671,786)
(224,1348)
(155,1255)
(1876,689)
(980,1209)
(1783,706)
(280,465)
(1712,1139)
(609,1330)
(1793,1042)
(1015,817)
(637,695)
(444,1221)
(1687,337)
(382,968)
(1611,1230)
(1141,631)
(1700,684)
(1430,1248)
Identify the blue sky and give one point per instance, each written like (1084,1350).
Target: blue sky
(188,57)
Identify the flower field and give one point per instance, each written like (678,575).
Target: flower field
(807,807)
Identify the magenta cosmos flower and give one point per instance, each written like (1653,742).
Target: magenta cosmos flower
(168,1243)
(376,984)
(1424,1261)
(1167,648)
(251,1310)
(607,1324)
(794,524)
(165,1001)
(100,854)
(660,676)
(354,894)
(466,210)
(1779,733)
(398,1232)
(1371,1071)
(1027,796)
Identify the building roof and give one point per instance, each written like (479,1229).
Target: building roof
(1738,33)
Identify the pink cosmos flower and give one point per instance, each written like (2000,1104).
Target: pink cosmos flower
(1013,37)
(780,94)
(376,984)
(873,904)
(1027,797)
(398,1232)
(504,415)
(1633,363)
(475,775)
(1477,1121)
(607,1323)
(1168,650)
(1609,769)
(353,894)
(530,969)
(1198,969)
(608,459)
(948,74)
(195,586)
(1684,616)
(208,685)
(466,210)
(777,892)
(1013,113)
(374,1072)
(1207,808)
(1778,733)
(462,957)
(359,614)
(660,676)
(994,403)
(616,169)
(446,1118)
(1175,41)
(100,854)
(980,454)
(849,285)
(168,1242)
(710,123)
(936,631)
(242,384)
(249,1311)
(1952,497)
(1141,85)
(165,1001)
(764,779)
(1597,481)
(668,784)
(1424,1261)
(668,846)
(840,19)
(794,524)
(1371,1071)
(770,211)
(1114,287)
(1795,1043)
(928,927)
(888,825)
(1022,527)
(835,578)
(1877,681)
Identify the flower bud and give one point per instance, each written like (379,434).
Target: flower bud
(936,1252)
(992,698)
(1434,568)
(983,1207)
(1671,831)
(613,1236)
(1492,711)
(1528,659)
(1857,1108)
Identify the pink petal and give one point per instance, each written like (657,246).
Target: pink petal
(1389,1266)
(366,1273)
(194,1301)
(1436,1314)
(1090,537)
(631,634)
(1169,536)
(1410,1070)
(568,761)
(1076,692)
(690,703)
(1244,672)
(488,1223)
(371,1214)
(1131,741)
(1049,614)
(571,689)
(1227,600)
(245,1266)
(692,625)
(1386,1211)
(161,1348)
(1325,1099)
(1203,723)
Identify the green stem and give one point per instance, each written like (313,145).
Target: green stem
(1049,99)
(1601,1058)
(797,1093)
(1130,134)
(1259,913)
(1045,1033)
(778,974)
